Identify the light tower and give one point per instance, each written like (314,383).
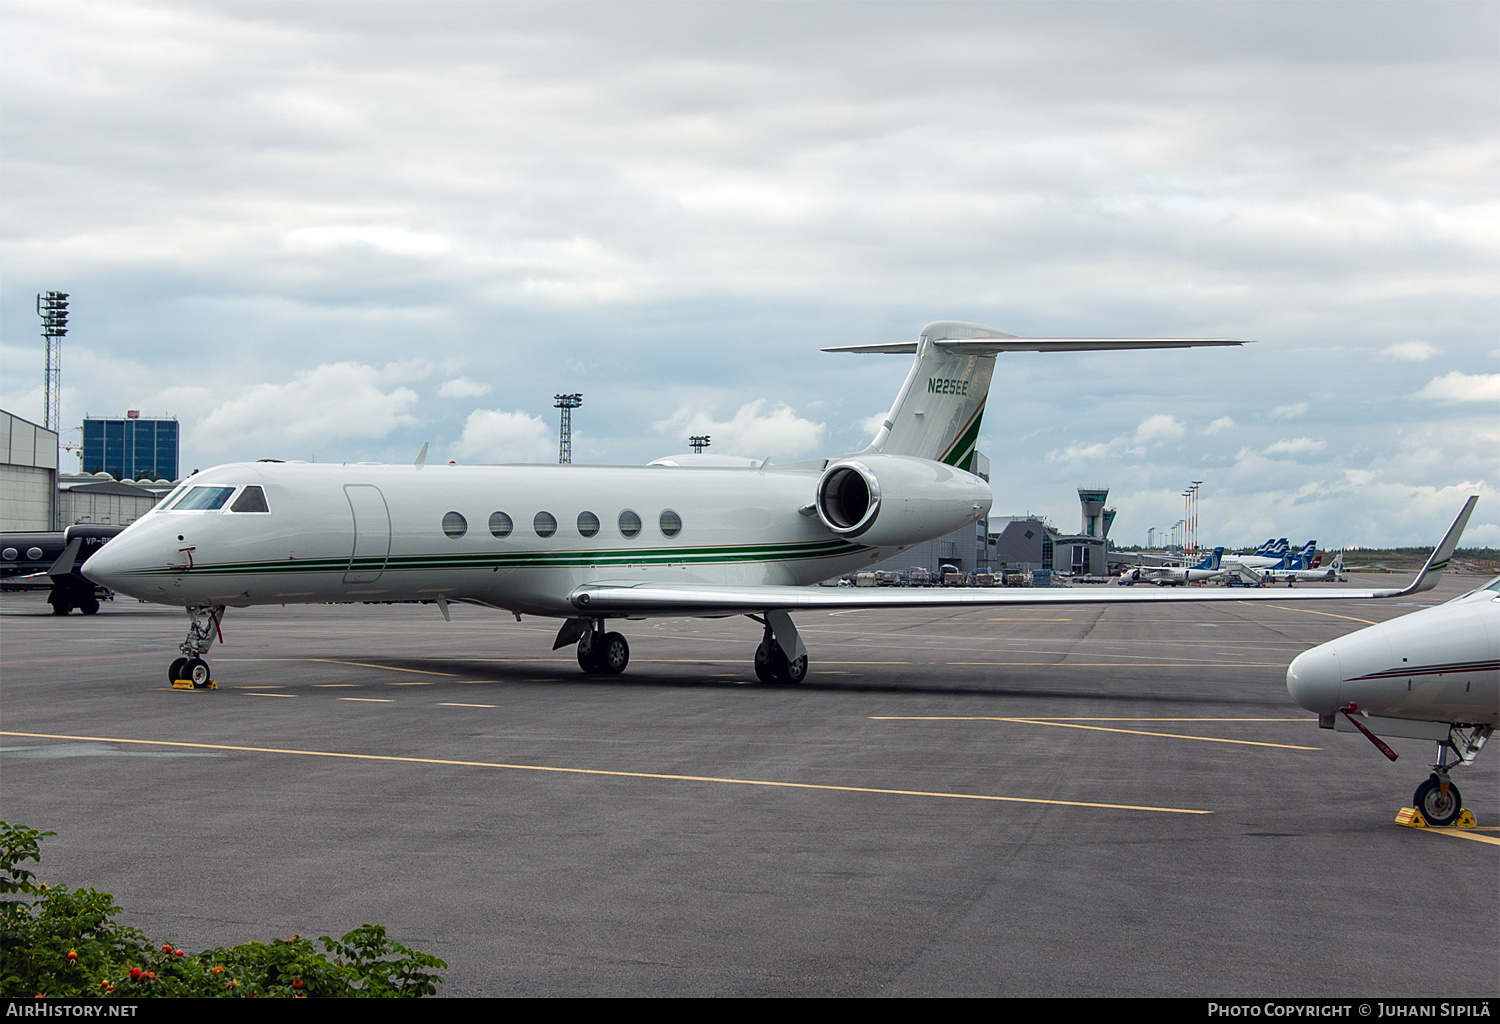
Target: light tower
(567,403)
(698,442)
(52,307)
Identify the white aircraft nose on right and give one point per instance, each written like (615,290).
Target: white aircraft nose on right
(1314,679)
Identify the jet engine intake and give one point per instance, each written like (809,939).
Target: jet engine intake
(897,500)
(848,499)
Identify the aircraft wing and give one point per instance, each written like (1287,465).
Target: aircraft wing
(606,598)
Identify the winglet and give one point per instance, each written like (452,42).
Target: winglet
(1438,560)
(421,456)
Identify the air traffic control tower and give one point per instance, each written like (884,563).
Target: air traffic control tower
(1096,520)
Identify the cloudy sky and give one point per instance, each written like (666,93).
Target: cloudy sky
(334,231)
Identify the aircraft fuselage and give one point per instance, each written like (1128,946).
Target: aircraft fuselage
(517,537)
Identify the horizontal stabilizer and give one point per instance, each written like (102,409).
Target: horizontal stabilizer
(990,346)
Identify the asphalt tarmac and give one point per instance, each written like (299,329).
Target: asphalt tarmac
(1105,801)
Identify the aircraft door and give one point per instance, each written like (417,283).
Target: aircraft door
(372,533)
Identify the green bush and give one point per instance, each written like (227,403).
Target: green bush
(64,943)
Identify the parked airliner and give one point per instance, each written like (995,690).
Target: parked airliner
(689,535)
(1431,675)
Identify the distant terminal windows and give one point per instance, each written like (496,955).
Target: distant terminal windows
(630,524)
(455,525)
(10,554)
(500,524)
(203,499)
(545,524)
(251,499)
(670,522)
(588,524)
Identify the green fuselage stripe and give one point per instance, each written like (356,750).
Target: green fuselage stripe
(519,559)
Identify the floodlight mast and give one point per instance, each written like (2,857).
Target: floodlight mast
(567,403)
(52,307)
(698,442)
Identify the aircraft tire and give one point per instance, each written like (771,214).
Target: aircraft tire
(175,672)
(61,606)
(90,606)
(763,663)
(589,662)
(615,655)
(197,670)
(1437,809)
(794,671)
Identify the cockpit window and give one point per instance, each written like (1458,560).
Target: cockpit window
(251,499)
(203,499)
(172,495)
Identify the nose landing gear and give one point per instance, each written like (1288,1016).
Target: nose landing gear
(203,629)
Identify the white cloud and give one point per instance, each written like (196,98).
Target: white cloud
(1409,351)
(1220,425)
(493,435)
(333,402)
(1463,387)
(391,241)
(1296,446)
(462,387)
(1159,429)
(1289,412)
(754,430)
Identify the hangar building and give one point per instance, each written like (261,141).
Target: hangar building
(28,475)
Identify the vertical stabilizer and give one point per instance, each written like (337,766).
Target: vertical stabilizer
(937,413)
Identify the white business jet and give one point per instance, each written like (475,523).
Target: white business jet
(691,535)
(1430,675)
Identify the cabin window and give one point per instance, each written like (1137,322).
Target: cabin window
(10,554)
(545,524)
(35,554)
(251,499)
(670,522)
(455,525)
(203,499)
(630,523)
(588,524)
(500,524)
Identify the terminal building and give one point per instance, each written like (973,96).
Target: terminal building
(1029,543)
(131,447)
(28,475)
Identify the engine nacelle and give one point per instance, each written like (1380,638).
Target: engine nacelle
(898,500)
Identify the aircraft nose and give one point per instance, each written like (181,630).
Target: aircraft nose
(1314,680)
(111,566)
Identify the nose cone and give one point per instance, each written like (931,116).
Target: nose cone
(1314,680)
(118,566)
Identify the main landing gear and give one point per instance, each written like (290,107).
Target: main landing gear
(203,629)
(601,653)
(780,658)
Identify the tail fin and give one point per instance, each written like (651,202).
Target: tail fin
(938,410)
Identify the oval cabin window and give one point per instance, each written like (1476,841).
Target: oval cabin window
(588,524)
(630,524)
(671,523)
(500,524)
(455,525)
(545,524)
